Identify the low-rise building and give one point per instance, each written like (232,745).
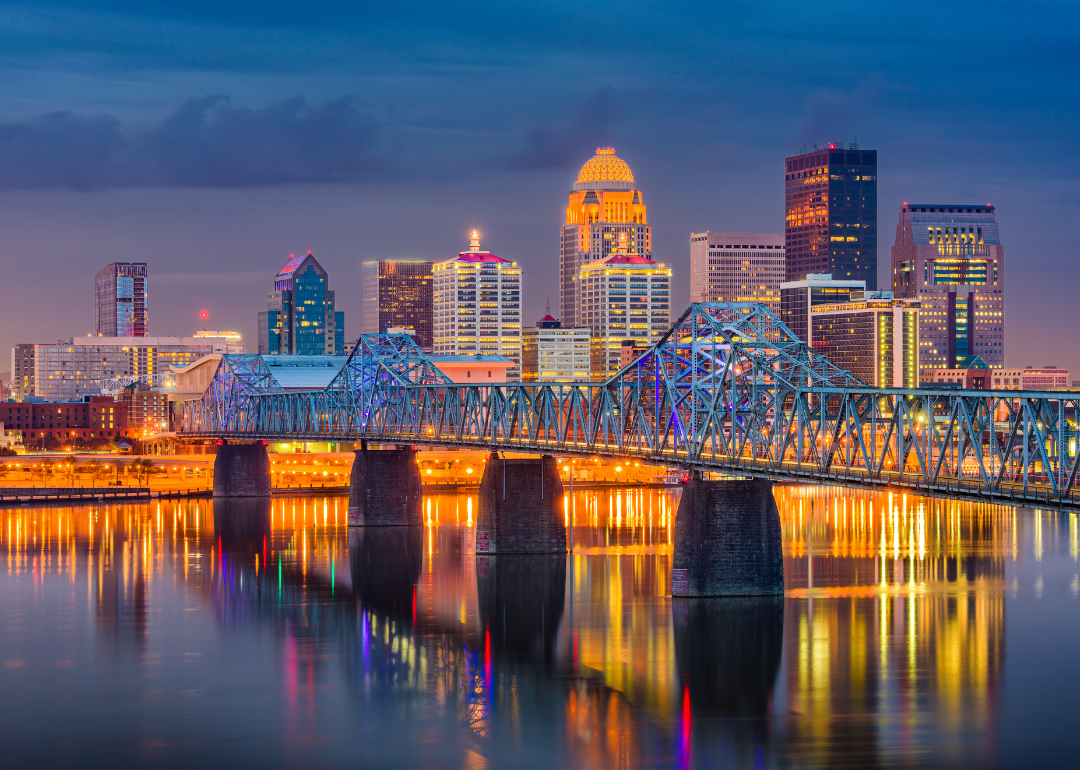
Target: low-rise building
(976,373)
(94,417)
(147,409)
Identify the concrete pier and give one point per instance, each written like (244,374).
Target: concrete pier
(727,540)
(242,470)
(385,488)
(520,507)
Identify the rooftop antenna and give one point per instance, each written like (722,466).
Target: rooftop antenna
(854,143)
(547,305)
(203,315)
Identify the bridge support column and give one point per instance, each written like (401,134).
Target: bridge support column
(242,470)
(384,490)
(520,507)
(727,540)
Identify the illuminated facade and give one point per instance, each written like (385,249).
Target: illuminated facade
(625,296)
(232,342)
(478,306)
(737,267)
(873,336)
(147,409)
(550,353)
(120,293)
(94,417)
(397,294)
(300,319)
(604,205)
(830,212)
(798,297)
(950,257)
(22,371)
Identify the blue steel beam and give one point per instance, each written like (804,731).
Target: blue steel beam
(728,388)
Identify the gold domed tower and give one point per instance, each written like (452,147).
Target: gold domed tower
(604,203)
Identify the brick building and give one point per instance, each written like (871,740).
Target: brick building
(94,417)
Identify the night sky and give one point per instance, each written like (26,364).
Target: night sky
(212,140)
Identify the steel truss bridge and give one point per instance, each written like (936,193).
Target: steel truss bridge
(729,388)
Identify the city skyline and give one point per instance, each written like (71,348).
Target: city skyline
(510,168)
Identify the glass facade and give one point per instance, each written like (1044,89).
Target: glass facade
(121,300)
(798,297)
(831,214)
(300,318)
(398,294)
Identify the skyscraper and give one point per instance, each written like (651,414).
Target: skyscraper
(797,298)
(301,319)
(120,308)
(830,208)
(478,306)
(604,203)
(624,296)
(951,258)
(737,267)
(398,294)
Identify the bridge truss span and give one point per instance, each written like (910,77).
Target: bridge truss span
(729,388)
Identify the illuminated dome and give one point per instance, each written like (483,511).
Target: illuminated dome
(605,171)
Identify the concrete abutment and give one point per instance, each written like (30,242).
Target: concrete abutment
(520,507)
(385,489)
(727,540)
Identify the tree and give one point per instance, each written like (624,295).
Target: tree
(143,470)
(46,470)
(71,469)
(118,465)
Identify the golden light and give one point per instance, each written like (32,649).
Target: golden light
(468,470)
(429,471)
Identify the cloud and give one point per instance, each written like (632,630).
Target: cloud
(206,142)
(562,147)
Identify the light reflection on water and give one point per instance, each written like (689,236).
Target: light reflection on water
(266,633)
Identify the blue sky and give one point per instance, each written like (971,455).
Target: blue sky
(212,139)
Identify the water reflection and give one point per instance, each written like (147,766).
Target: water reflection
(888,648)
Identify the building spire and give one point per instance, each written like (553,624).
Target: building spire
(474,241)
(547,305)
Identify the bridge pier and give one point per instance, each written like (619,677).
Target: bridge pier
(520,507)
(385,490)
(727,540)
(242,470)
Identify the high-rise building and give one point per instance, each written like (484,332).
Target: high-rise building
(550,353)
(625,296)
(300,319)
(873,335)
(121,300)
(798,297)
(737,267)
(950,257)
(398,294)
(22,371)
(478,306)
(604,204)
(67,370)
(830,207)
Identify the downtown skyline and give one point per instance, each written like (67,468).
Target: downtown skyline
(411,158)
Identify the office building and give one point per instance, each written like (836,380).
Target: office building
(478,306)
(300,319)
(231,342)
(975,373)
(625,296)
(830,212)
(604,204)
(798,297)
(68,370)
(398,294)
(873,335)
(550,353)
(22,371)
(93,417)
(950,258)
(121,308)
(737,267)
(147,409)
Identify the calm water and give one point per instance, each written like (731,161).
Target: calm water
(913,633)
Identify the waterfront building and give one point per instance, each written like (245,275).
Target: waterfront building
(873,335)
(147,409)
(477,300)
(67,370)
(92,417)
(798,297)
(121,308)
(231,342)
(830,214)
(22,371)
(550,353)
(604,204)
(737,267)
(950,257)
(625,296)
(398,294)
(300,318)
